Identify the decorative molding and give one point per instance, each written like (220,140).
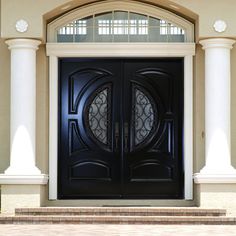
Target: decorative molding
(22,26)
(220,26)
(217,43)
(53,126)
(41,179)
(23,43)
(120,49)
(214,178)
(184,50)
(188,127)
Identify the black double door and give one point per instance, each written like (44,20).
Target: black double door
(120,128)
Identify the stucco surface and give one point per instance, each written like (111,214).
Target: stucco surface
(42,108)
(4,106)
(204,12)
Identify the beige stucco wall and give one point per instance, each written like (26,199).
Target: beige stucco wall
(42,101)
(4,106)
(198,108)
(233,104)
(206,11)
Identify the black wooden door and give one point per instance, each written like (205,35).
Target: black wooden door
(120,128)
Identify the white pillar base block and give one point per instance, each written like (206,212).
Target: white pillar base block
(17,196)
(217,195)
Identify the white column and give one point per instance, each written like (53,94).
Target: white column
(23,111)
(218,167)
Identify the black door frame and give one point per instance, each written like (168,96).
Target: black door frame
(135,59)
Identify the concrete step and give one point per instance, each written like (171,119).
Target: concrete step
(119,211)
(219,220)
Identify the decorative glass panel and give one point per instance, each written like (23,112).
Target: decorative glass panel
(144,113)
(99,115)
(120,26)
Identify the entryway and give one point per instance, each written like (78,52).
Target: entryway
(120,128)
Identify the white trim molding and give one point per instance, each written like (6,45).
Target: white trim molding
(154,50)
(120,49)
(53,125)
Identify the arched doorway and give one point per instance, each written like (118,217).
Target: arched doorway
(112,37)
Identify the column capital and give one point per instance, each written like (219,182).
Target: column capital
(22,43)
(217,43)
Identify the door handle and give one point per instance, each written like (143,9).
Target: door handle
(126,134)
(116,135)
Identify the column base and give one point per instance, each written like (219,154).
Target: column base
(40,179)
(17,196)
(22,191)
(213,175)
(27,170)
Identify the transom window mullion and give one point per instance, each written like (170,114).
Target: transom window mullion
(124,26)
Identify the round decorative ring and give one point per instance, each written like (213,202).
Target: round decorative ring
(22,26)
(220,26)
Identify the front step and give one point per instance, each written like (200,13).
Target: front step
(118,215)
(119,211)
(117,220)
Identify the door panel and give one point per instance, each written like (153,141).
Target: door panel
(88,161)
(120,128)
(152,162)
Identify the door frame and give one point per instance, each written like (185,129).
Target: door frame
(121,50)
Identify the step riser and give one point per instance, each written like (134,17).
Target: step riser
(166,222)
(119,215)
(116,214)
(119,211)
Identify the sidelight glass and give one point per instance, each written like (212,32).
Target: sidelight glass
(120,26)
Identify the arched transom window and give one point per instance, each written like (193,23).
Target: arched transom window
(120,21)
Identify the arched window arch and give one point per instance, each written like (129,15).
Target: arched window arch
(120,21)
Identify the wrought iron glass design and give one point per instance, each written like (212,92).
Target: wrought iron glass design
(144,114)
(99,115)
(120,26)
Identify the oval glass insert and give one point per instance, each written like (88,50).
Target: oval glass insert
(99,116)
(144,115)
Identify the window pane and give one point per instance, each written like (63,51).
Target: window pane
(154,22)
(120,26)
(102,31)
